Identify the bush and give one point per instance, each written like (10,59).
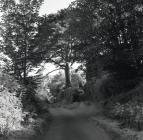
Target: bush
(5,62)
(130,114)
(106,86)
(52,88)
(10,104)
(43,93)
(128,108)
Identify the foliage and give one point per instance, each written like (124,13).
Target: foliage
(112,31)
(56,43)
(57,83)
(93,88)
(123,34)
(28,97)
(43,93)
(5,63)
(53,86)
(112,87)
(130,114)
(127,108)
(77,79)
(106,86)
(18,27)
(104,35)
(11,113)
(84,24)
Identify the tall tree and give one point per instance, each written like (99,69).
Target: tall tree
(57,42)
(111,30)
(123,33)
(19,24)
(84,25)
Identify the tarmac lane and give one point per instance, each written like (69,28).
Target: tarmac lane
(69,124)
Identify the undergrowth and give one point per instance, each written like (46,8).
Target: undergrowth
(11,113)
(128,108)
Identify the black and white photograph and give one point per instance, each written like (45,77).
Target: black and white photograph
(71,69)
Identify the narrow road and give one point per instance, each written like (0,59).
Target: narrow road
(73,124)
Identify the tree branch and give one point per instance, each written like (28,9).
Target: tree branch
(53,71)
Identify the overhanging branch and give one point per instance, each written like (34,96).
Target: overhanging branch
(53,71)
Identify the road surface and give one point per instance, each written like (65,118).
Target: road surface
(74,124)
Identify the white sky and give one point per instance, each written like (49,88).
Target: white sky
(52,6)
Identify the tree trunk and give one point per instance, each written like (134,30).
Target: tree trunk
(67,76)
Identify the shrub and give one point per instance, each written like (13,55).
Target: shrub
(52,87)
(130,114)
(127,107)
(5,62)
(106,86)
(43,93)
(10,104)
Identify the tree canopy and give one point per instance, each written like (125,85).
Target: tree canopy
(101,34)
(19,26)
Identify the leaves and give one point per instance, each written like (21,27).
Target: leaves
(10,105)
(19,28)
(130,114)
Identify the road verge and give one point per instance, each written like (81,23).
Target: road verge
(116,133)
